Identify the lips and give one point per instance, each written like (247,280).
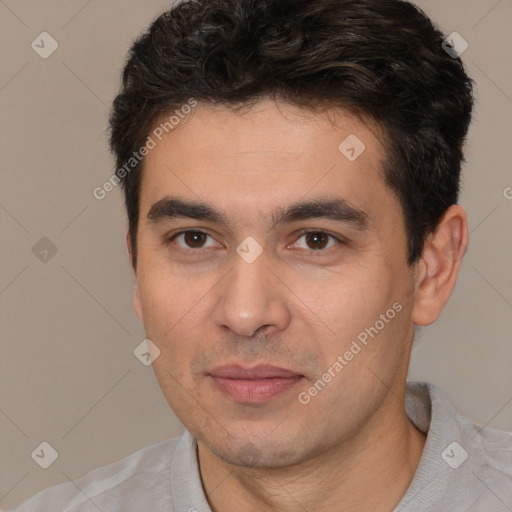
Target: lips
(257,372)
(253,385)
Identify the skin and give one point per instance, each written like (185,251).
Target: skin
(352,446)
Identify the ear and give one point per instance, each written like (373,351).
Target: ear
(437,271)
(137,306)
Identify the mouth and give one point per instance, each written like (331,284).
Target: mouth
(253,385)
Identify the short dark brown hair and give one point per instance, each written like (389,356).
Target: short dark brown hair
(380,59)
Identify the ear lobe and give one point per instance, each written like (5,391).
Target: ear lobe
(438,269)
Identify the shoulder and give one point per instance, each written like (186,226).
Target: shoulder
(464,466)
(123,485)
(492,451)
(488,448)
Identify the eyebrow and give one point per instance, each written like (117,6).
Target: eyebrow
(336,209)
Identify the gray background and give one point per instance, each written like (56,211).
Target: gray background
(68,375)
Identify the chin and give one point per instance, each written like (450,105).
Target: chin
(262,455)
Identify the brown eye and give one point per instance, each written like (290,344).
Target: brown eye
(192,239)
(316,240)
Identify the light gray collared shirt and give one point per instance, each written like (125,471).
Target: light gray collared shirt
(463,468)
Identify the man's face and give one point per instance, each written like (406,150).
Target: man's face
(303,304)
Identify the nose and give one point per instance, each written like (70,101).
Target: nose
(250,298)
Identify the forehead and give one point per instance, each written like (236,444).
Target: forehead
(268,156)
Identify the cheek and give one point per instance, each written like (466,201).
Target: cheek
(177,318)
(168,298)
(354,300)
(367,317)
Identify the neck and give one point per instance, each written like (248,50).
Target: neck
(371,471)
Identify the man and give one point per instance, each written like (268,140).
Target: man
(291,176)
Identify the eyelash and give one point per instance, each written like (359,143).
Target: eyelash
(339,239)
